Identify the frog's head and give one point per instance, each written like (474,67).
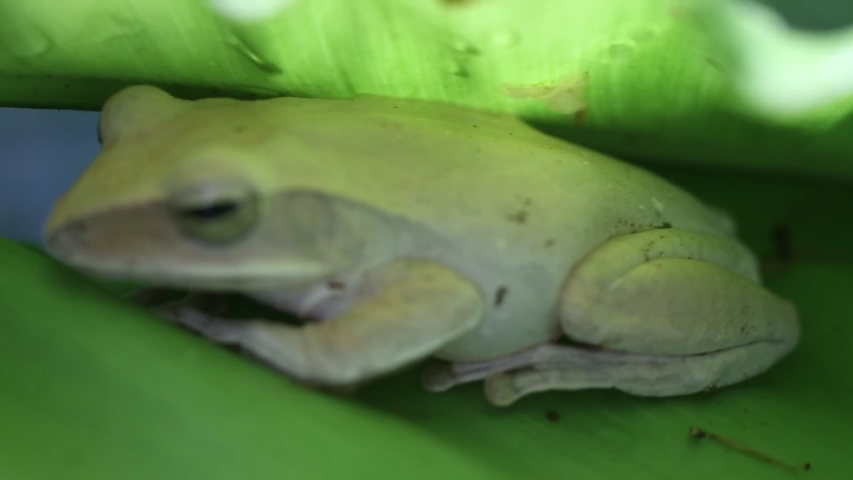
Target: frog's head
(176,198)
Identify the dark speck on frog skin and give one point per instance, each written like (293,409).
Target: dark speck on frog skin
(336,285)
(519,217)
(552,416)
(500,295)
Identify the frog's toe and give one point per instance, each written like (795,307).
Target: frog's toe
(438,377)
(500,390)
(215,329)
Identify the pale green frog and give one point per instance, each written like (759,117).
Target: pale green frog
(402,230)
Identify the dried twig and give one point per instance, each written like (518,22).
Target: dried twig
(699,433)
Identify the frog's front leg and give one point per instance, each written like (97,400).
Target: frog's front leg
(670,312)
(409,309)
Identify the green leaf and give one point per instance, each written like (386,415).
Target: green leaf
(656,81)
(96,389)
(783,73)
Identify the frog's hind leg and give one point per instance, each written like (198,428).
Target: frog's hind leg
(567,367)
(657,313)
(669,311)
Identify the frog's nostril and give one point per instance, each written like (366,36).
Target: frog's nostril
(79,227)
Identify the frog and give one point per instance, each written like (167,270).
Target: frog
(407,233)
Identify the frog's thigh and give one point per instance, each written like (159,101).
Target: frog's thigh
(412,309)
(673,292)
(676,312)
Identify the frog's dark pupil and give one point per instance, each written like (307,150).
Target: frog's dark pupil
(213,211)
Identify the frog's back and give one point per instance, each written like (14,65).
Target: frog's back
(486,174)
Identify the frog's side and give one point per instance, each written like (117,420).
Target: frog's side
(410,229)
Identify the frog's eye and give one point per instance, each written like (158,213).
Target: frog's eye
(216,213)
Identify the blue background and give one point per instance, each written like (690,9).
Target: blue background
(42,152)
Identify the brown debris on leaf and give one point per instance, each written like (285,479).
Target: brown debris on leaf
(566,95)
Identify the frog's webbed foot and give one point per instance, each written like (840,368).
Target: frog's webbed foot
(576,368)
(220,330)
(410,309)
(568,367)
